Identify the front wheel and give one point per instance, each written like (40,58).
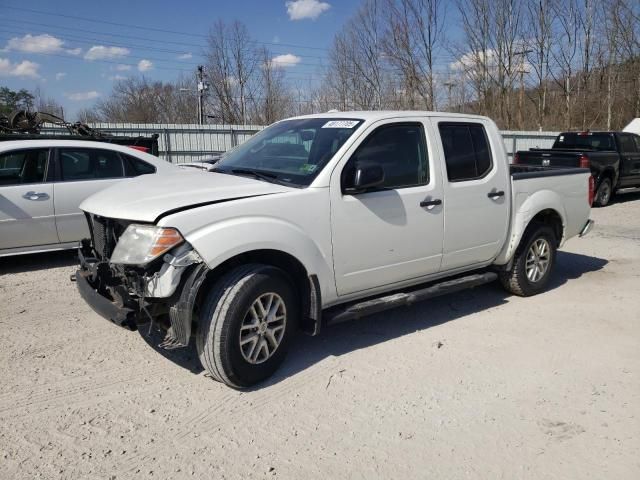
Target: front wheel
(533,262)
(246,325)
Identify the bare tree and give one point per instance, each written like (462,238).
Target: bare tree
(475,59)
(274,101)
(565,51)
(539,31)
(232,66)
(139,100)
(411,43)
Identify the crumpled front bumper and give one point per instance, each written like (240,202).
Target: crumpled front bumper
(121,316)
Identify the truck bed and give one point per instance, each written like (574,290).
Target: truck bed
(523,172)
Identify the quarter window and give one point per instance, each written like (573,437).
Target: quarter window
(23,166)
(89,164)
(134,166)
(466,151)
(400,150)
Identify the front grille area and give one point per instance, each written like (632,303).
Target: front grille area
(105,233)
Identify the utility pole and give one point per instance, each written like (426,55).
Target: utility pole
(449,84)
(202,87)
(522,70)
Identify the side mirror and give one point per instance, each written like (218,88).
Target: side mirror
(365,177)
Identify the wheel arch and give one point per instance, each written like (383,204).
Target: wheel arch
(544,206)
(609,173)
(305,284)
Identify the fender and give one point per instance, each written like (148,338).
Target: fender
(524,213)
(220,241)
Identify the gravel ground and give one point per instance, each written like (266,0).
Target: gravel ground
(478,384)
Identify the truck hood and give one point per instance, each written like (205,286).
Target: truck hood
(148,197)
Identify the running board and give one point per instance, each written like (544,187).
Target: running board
(358,310)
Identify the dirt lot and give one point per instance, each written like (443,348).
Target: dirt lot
(474,385)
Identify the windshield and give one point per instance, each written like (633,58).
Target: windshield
(586,140)
(292,151)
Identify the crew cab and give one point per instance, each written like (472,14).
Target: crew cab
(320,219)
(612,157)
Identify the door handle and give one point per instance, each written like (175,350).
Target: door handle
(35,196)
(431,203)
(494,195)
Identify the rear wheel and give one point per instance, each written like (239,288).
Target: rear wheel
(246,325)
(533,262)
(604,193)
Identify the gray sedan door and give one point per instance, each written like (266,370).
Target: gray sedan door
(26,200)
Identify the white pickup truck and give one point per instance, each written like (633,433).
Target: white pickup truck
(320,219)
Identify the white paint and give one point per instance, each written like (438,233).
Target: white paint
(357,245)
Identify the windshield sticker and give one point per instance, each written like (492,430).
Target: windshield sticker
(341,124)
(561,139)
(308,167)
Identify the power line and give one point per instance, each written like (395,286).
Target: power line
(156,67)
(151,29)
(156,59)
(12,21)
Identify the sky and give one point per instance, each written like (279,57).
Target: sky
(74,50)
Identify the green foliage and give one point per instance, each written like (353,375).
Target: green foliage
(11,100)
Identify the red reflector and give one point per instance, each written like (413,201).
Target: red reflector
(138,147)
(516,158)
(592,189)
(584,162)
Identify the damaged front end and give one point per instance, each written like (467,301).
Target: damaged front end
(161,289)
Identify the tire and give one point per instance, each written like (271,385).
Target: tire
(603,193)
(227,318)
(518,280)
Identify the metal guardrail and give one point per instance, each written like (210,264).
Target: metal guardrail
(181,143)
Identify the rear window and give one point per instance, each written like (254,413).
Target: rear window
(466,151)
(89,164)
(585,140)
(627,144)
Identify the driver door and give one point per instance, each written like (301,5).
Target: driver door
(392,233)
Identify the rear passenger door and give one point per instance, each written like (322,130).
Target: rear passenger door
(26,199)
(81,172)
(476,193)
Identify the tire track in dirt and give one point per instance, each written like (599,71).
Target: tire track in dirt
(231,407)
(50,399)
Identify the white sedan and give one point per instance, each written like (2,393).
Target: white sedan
(42,183)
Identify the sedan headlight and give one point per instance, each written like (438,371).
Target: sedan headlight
(139,244)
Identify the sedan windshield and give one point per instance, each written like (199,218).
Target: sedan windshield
(290,152)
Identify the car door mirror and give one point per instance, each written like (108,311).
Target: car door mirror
(364,178)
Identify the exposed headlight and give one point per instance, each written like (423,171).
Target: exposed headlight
(139,244)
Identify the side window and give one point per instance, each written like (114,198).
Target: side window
(23,166)
(134,166)
(466,151)
(636,139)
(89,164)
(627,144)
(400,150)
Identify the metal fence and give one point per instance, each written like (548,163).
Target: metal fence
(181,143)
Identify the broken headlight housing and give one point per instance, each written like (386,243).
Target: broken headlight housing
(140,244)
